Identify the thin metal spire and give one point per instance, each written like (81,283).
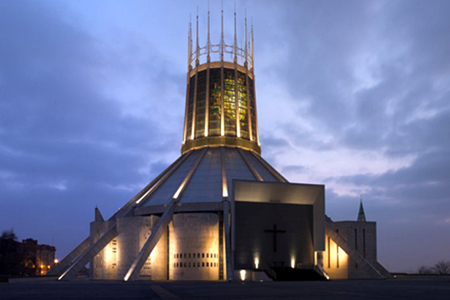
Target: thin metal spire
(246,53)
(252,48)
(190,46)
(197,51)
(221,37)
(208,45)
(235,36)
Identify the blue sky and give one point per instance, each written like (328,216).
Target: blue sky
(351,94)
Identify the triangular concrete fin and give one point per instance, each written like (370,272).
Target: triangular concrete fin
(98,215)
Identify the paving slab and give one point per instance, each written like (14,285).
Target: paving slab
(309,290)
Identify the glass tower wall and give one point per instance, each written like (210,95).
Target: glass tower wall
(222,105)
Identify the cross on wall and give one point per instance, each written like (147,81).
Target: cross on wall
(275,232)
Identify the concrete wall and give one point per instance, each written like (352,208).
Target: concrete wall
(104,264)
(194,246)
(252,242)
(132,234)
(362,236)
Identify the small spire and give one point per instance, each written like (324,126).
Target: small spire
(361,214)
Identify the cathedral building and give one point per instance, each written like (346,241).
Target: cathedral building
(220,211)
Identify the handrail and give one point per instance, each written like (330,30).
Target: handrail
(269,271)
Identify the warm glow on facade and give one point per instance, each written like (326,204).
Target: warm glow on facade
(256,263)
(224,190)
(243,274)
(335,260)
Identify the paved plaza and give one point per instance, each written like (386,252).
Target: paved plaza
(352,289)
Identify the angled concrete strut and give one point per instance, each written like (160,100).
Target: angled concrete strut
(90,253)
(63,264)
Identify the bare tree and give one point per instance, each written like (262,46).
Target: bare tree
(425,270)
(442,267)
(10,254)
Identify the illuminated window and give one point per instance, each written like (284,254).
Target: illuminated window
(243,105)
(215,93)
(229,102)
(252,107)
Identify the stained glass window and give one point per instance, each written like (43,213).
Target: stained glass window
(214,102)
(229,102)
(252,107)
(242,97)
(200,109)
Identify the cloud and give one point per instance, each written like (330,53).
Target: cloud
(70,139)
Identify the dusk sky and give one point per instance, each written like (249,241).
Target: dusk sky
(351,94)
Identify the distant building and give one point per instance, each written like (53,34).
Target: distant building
(38,259)
(220,211)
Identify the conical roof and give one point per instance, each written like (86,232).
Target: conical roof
(206,175)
